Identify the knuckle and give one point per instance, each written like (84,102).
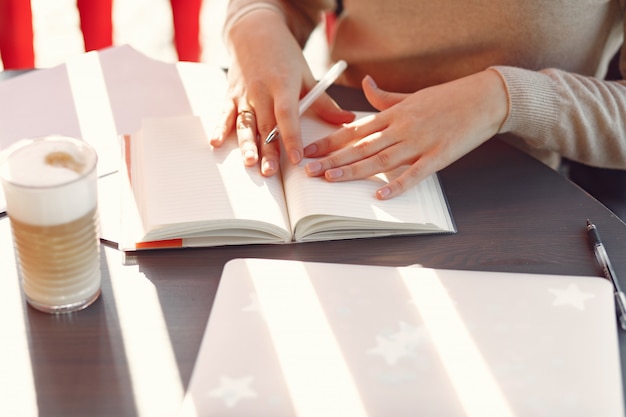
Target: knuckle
(331,162)
(354,129)
(324,143)
(401,185)
(413,173)
(243,124)
(254,86)
(245,120)
(265,127)
(282,110)
(356,170)
(382,159)
(363,148)
(350,172)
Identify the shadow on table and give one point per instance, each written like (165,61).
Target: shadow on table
(101,383)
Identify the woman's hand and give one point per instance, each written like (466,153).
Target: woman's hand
(267,77)
(426,130)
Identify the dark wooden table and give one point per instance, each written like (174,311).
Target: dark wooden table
(133,351)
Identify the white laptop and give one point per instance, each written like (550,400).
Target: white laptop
(288,338)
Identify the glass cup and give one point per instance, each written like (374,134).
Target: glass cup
(50,186)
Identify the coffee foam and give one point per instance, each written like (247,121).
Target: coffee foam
(50,180)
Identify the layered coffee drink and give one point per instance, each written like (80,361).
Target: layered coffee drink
(50,185)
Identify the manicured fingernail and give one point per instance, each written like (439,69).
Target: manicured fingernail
(249,154)
(313,167)
(310,150)
(384,192)
(369,80)
(294,156)
(269,167)
(334,173)
(217,135)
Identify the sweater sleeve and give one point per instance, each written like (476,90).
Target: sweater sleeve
(301,16)
(582,118)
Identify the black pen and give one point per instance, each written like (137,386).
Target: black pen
(607,270)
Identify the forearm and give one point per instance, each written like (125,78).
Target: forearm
(581,118)
(301,16)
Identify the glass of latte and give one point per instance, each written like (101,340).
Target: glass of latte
(50,186)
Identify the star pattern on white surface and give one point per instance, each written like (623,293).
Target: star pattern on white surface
(398,345)
(390,349)
(233,390)
(571,296)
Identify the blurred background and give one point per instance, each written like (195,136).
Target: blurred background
(147,25)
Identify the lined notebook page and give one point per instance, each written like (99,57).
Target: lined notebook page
(308,196)
(186,181)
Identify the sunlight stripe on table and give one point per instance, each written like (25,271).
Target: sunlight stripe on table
(312,362)
(94,111)
(156,384)
(475,385)
(18,397)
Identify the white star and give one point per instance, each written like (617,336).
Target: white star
(398,345)
(232,390)
(412,336)
(571,296)
(390,349)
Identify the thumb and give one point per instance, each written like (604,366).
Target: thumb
(328,110)
(379,98)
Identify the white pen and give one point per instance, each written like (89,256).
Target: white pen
(330,77)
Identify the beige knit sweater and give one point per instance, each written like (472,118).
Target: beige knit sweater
(552,55)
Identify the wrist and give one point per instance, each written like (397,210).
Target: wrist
(498,99)
(534,102)
(251,15)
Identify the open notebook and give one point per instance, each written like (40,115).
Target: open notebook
(184,193)
(288,338)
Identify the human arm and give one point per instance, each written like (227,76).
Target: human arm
(426,130)
(267,77)
(581,118)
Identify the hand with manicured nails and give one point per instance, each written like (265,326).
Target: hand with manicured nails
(261,97)
(426,130)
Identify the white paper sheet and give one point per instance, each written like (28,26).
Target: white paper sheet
(99,96)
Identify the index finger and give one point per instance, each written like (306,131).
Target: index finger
(288,123)
(349,133)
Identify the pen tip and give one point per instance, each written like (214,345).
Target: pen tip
(271,137)
(588,222)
